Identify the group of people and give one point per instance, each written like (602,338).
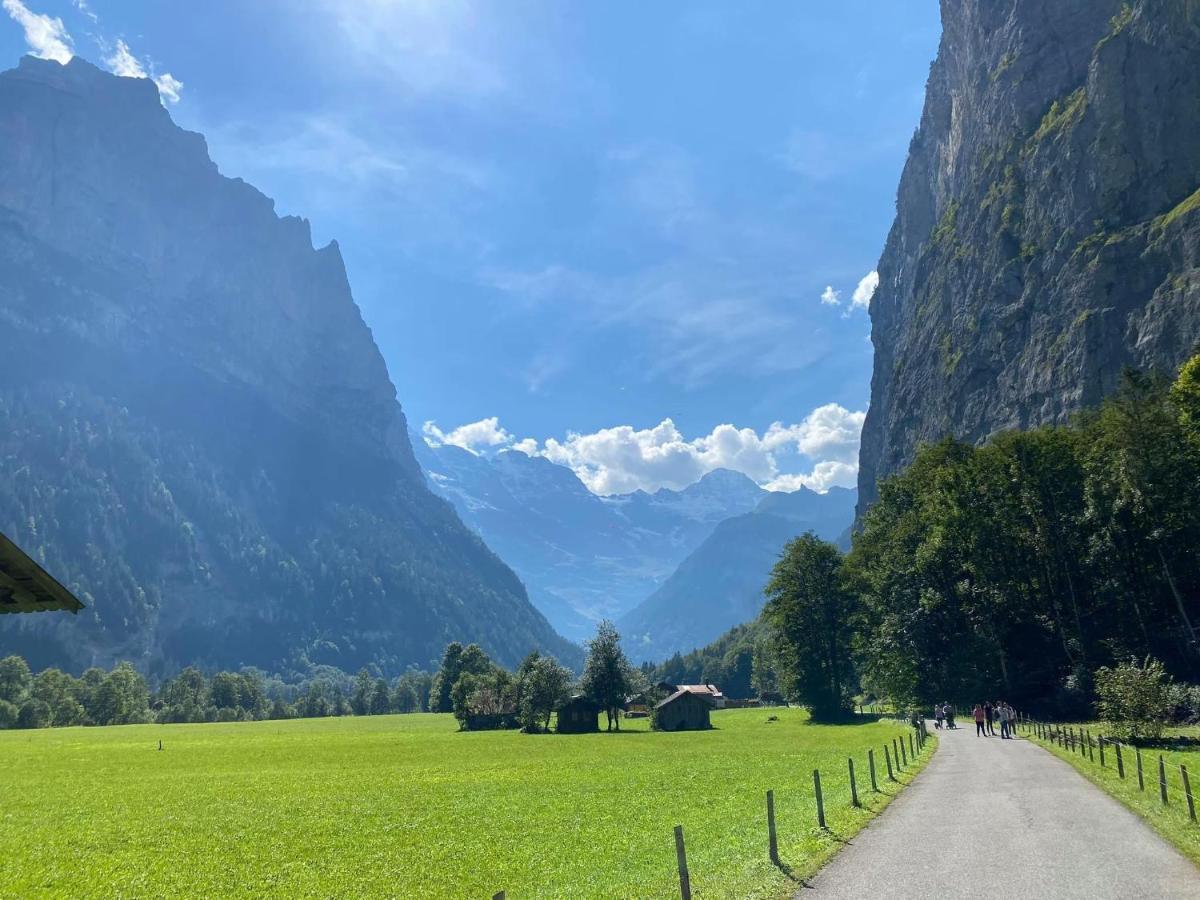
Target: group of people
(943,712)
(987,713)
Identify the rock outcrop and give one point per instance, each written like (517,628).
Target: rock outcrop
(1047,232)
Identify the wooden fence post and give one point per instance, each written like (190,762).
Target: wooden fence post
(772,843)
(499,895)
(1101,743)
(1187,792)
(853,784)
(1091,747)
(896,754)
(903,754)
(887,758)
(1162,779)
(871,766)
(820,800)
(1120,761)
(910,745)
(685,883)
(1137,753)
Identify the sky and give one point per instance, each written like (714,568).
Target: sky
(636,238)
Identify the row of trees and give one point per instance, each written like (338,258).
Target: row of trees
(122,696)
(482,694)
(1017,568)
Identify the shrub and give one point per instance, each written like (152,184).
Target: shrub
(1136,700)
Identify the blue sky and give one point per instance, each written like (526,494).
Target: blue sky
(575,219)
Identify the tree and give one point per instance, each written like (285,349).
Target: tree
(15,680)
(448,673)
(122,698)
(1136,700)
(404,697)
(811,614)
(56,689)
(360,700)
(185,698)
(542,686)
(380,704)
(606,673)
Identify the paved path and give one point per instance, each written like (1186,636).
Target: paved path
(998,819)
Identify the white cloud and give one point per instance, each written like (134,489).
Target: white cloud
(46,36)
(83,7)
(169,87)
(621,459)
(122,62)
(830,297)
(865,291)
(824,475)
(484,433)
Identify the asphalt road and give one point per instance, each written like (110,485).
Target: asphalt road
(996,819)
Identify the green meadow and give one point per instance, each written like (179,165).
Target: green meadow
(406,806)
(1179,747)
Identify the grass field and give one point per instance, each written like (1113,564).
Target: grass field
(405,806)
(1171,820)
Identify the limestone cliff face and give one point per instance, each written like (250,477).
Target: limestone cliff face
(197,431)
(1047,231)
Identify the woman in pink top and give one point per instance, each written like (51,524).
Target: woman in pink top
(980,720)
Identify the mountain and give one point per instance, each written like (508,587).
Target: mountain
(582,557)
(199,434)
(720,584)
(1047,230)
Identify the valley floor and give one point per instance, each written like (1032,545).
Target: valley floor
(405,806)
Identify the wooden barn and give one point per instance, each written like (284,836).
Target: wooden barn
(684,710)
(579,715)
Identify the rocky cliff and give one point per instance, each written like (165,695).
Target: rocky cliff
(1047,231)
(199,433)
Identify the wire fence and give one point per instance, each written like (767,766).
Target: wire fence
(1127,760)
(899,755)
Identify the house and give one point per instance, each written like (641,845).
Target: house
(684,710)
(579,715)
(27,587)
(708,690)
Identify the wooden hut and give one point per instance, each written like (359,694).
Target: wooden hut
(27,587)
(579,715)
(684,710)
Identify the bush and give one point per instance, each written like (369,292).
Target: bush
(1185,702)
(1136,700)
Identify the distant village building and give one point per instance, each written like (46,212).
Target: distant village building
(684,710)
(27,587)
(579,715)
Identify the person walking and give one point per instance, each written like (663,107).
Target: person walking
(937,716)
(990,712)
(1003,721)
(980,721)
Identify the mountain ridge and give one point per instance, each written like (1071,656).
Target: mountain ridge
(203,440)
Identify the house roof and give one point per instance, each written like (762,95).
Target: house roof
(711,689)
(684,691)
(580,700)
(27,587)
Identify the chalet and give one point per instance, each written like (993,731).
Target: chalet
(27,587)
(579,715)
(684,710)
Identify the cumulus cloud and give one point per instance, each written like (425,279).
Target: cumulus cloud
(484,433)
(865,291)
(46,36)
(622,459)
(830,297)
(122,62)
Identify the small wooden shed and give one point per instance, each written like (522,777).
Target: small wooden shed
(579,715)
(684,710)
